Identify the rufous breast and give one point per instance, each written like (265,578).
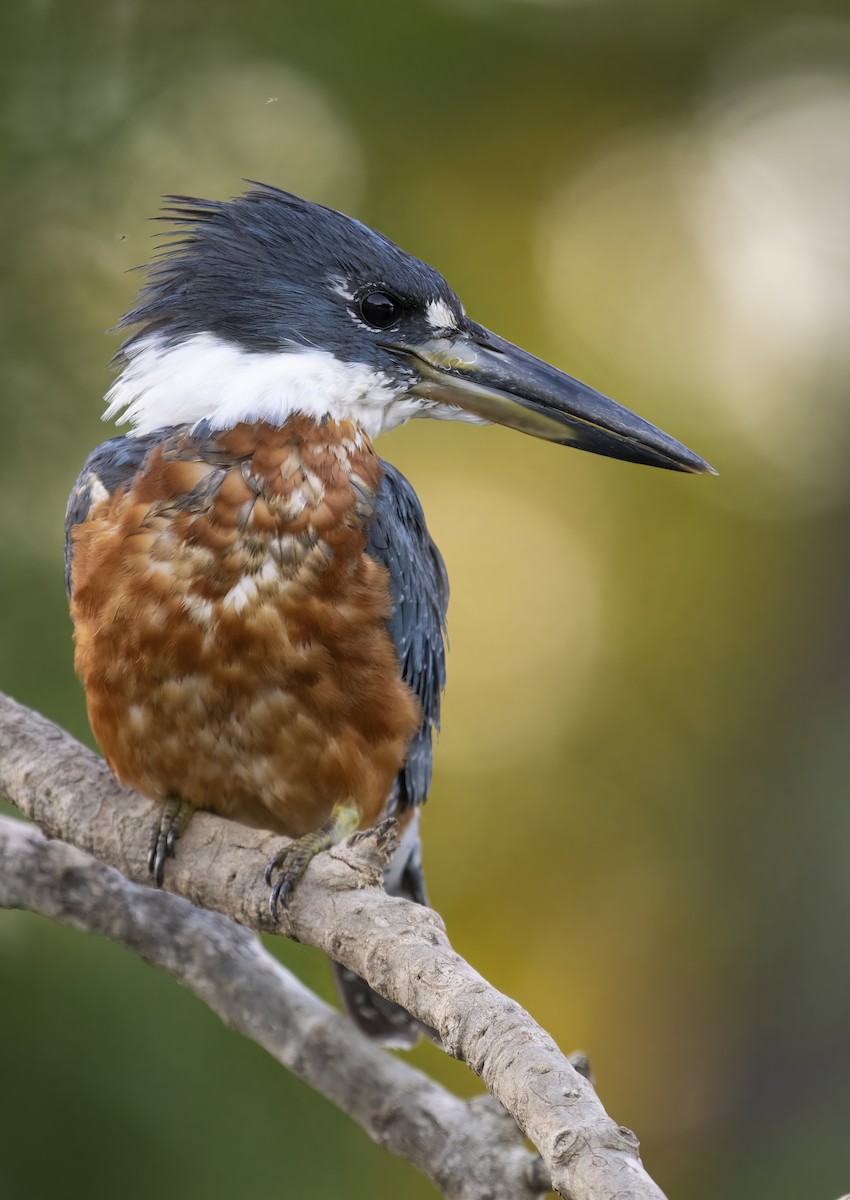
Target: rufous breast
(231,630)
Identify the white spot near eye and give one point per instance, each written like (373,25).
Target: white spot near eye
(342,287)
(439,315)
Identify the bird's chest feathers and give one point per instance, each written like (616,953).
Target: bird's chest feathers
(232,630)
(232,533)
(265,513)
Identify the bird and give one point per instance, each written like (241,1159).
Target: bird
(259,610)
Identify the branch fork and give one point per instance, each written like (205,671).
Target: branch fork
(100,882)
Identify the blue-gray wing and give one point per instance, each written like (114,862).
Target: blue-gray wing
(107,468)
(419,588)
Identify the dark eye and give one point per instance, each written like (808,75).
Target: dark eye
(379,309)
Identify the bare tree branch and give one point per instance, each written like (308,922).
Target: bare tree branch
(471,1151)
(400,948)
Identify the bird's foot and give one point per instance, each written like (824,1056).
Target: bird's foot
(384,835)
(295,858)
(173,820)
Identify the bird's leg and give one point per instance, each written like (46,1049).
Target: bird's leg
(296,857)
(172,821)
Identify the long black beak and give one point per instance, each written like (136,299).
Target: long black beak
(483,374)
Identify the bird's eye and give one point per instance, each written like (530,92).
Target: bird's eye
(379,309)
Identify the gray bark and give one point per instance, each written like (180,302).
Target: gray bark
(400,948)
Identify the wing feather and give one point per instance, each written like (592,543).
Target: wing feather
(419,587)
(107,468)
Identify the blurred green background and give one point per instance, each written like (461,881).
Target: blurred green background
(639,823)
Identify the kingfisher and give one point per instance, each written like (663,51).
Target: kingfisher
(259,610)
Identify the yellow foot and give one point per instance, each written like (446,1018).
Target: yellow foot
(294,860)
(173,820)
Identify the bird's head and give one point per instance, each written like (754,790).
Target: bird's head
(269,305)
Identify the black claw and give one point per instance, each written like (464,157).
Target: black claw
(173,819)
(279,860)
(292,866)
(281,892)
(283,886)
(296,857)
(156,859)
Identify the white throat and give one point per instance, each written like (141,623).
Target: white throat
(205,378)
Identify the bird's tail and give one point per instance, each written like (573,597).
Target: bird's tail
(377,1018)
